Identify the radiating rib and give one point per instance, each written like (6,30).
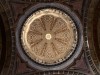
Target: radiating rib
(54,48)
(61,41)
(35,32)
(61,30)
(53,24)
(36,42)
(43,49)
(43,25)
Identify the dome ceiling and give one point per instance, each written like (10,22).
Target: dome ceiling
(49,37)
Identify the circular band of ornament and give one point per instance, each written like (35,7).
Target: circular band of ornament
(49,36)
(68,72)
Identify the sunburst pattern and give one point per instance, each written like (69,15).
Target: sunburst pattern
(55,47)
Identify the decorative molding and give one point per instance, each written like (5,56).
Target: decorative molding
(88,56)
(61,72)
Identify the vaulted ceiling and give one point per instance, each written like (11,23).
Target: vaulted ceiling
(84,61)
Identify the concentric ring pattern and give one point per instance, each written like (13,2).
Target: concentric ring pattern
(49,36)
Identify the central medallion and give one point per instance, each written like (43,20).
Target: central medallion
(49,36)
